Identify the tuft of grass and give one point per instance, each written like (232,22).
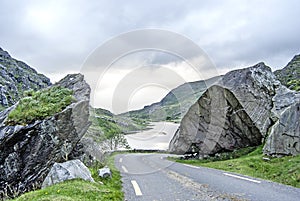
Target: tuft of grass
(78,189)
(38,105)
(285,170)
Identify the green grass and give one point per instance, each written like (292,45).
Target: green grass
(40,105)
(285,170)
(294,85)
(78,190)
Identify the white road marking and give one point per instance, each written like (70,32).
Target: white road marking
(191,166)
(244,178)
(161,158)
(120,160)
(124,168)
(136,188)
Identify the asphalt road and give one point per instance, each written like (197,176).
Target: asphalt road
(150,177)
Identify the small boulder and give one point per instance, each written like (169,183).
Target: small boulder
(104,172)
(66,171)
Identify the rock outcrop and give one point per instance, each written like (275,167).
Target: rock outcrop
(254,87)
(248,106)
(28,152)
(73,169)
(216,122)
(17,77)
(284,138)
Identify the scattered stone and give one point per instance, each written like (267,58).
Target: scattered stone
(73,169)
(104,172)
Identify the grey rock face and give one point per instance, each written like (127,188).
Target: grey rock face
(28,152)
(254,87)
(284,98)
(216,122)
(17,77)
(60,172)
(284,138)
(232,116)
(261,108)
(257,101)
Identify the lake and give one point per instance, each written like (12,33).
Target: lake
(158,137)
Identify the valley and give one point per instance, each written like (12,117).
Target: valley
(209,122)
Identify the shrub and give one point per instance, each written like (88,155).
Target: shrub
(40,105)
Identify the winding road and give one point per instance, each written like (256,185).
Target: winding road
(151,177)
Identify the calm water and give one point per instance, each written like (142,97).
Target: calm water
(158,137)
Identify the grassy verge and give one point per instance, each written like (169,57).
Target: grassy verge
(284,170)
(78,190)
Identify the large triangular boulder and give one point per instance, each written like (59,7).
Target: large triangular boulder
(216,122)
(268,112)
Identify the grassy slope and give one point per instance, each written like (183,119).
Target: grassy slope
(290,75)
(99,116)
(175,104)
(78,190)
(284,170)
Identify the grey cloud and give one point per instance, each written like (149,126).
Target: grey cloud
(233,33)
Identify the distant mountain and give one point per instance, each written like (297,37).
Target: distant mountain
(290,74)
(175,104)
(17,77)
(100,118)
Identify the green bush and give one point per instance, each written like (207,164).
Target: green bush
(38,105)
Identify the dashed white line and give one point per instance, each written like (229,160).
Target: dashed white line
(124,169)
(121,160)
(191,166)
(244,178)
(136,188)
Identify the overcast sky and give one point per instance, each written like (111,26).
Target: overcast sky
(57,37)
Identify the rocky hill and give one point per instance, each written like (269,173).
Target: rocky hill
(175,104)
(290,74)
(17,77)
(28,149)
(246,108)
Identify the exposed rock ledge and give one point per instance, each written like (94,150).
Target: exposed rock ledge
(27,153)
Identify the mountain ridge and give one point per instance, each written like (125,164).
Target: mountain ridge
(175,104)
(16,77)
(290,74)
